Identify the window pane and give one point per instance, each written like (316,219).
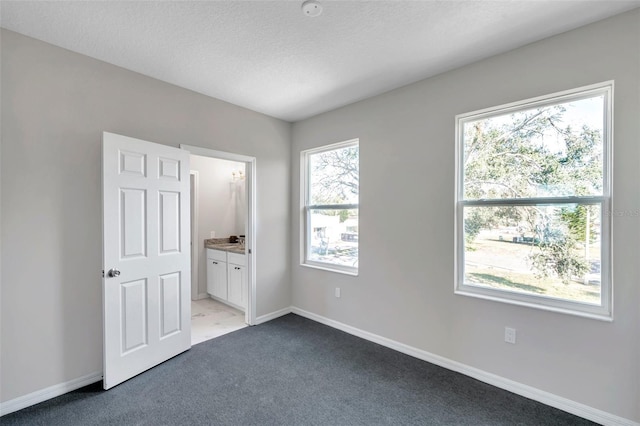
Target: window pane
(334,176)
(334,237)
(550,151)
(551,251)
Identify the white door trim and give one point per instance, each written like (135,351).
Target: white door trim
(195,272)
(250,226)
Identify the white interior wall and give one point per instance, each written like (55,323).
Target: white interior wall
(404,290)
(222,205)
(55,105)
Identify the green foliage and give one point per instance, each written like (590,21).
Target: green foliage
(536,153)
(577,220)
(533,154)
(472,226)
(560,258)
(477,219)
(335,176)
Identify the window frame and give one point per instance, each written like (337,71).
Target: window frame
(604,311)
(306,208)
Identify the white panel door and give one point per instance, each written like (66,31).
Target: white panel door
(146,255)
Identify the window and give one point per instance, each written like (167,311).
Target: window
(330,177)
(533,202)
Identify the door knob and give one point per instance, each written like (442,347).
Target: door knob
(113,273)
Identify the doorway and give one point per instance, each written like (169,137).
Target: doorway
(205,309)
(211,318)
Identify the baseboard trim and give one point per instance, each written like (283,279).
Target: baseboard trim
(48,393)
(273,315)
(62,388)
(535,394)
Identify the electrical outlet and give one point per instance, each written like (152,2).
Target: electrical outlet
(213,234)
(510,335)
(337,291)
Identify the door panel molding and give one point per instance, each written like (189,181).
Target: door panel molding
(146,214)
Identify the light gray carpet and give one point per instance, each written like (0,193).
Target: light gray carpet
(293,371)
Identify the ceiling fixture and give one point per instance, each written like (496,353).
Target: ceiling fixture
(312,8)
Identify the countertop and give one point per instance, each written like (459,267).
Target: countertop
(224,245)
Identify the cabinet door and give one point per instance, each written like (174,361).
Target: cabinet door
(236,283)
(217,278)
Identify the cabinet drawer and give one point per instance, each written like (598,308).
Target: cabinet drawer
(217,255)
(237,259)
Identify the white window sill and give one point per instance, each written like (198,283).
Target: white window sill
(331,268)
(561,306)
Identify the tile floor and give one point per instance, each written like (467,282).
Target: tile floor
(210,318)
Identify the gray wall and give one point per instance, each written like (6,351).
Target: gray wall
(55,106)
(405,288)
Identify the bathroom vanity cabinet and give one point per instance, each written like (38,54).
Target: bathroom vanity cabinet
(227,277)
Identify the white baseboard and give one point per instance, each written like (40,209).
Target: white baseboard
(544,397)
(547,398)
(62,388)
(201,296)
(48,393)
(273,315)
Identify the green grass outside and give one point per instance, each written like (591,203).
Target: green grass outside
(502,265)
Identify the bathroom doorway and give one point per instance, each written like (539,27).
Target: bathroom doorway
(222,208)
(211,318)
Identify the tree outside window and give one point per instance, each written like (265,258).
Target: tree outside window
(331,183)
(532,197)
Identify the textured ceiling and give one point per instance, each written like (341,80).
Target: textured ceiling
(269,57)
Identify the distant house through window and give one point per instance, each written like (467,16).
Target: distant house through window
(533,202)
(330,178)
